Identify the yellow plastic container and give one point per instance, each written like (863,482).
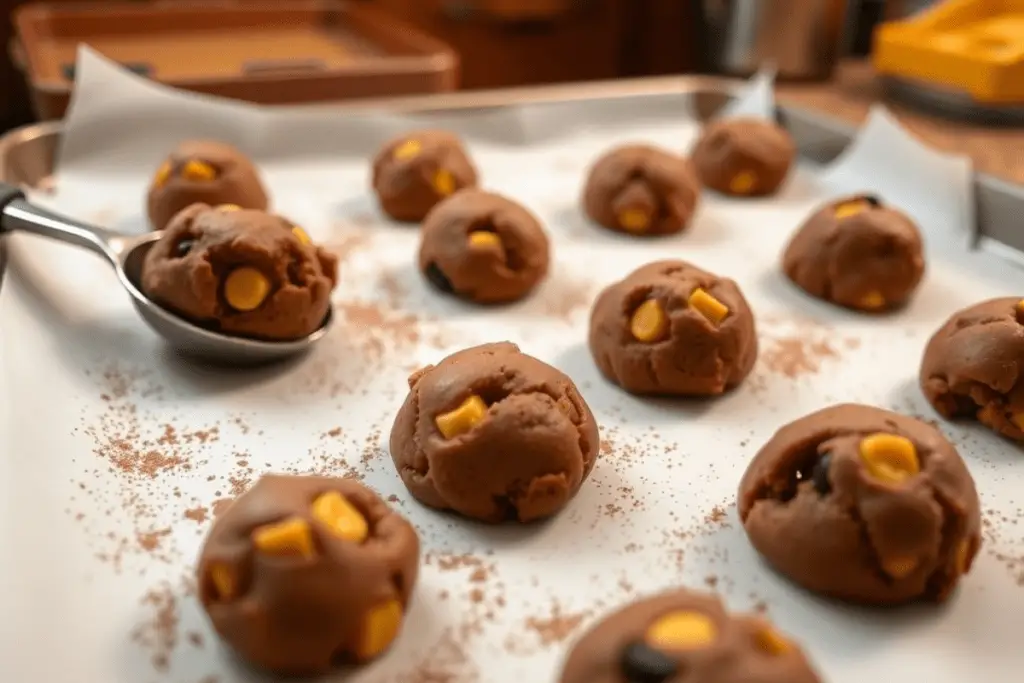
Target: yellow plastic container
(973,46)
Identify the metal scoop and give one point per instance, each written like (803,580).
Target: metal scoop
(127,254)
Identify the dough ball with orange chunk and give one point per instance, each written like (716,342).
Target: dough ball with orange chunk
(684,635)
(641,190)
(863,505)
(414,172)
(858,253)
(241,272)
(203,171)
(494,434)
(670,328)
(302,574)
(744,157)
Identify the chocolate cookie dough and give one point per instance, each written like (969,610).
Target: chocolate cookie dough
(864,505)
(744,157)
(494,434)
(207,172)
(413,173)
(304,573)
(858,253)
(483,247)
(671,328)
(240,272)
(688,636)
(973,364)
(641,190)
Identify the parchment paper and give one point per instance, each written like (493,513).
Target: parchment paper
(119,453)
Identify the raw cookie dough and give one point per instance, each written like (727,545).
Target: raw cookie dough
(641,190)
(671,328)
(744,157)
(863,505)
(858,253)
(494,434)
(240,272)
(207,172)
(411,174)
(483,247)
(685,636)
(972,366)
(304,573)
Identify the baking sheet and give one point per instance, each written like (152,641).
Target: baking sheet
(119,454)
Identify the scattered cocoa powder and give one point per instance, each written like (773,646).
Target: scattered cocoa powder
(795,347)
(197,514)
(557,626)
(159,633)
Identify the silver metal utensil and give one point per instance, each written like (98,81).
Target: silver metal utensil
(127,254)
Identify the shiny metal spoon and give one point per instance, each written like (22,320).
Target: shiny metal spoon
(127,254)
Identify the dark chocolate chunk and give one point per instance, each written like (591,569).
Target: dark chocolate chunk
(820,474)
(437,278)
(872,199)
(183,247)
(641,663)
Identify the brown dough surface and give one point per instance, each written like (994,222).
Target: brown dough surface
(697,357)
(405,187)
(525,460)
(616,651)
(836,542)
(972,366)
(301,275)
(645,179)
(294,615)
(491,273)
(870,261)
(237,182)
(731,147)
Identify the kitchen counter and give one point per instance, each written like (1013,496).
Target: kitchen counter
(852,91)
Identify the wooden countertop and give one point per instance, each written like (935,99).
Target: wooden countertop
(852,91)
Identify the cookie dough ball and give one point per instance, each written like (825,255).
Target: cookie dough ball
(858,253)
(641,190)
(303,573)
(973,364)
(670,328)
(203,171)
(483,247)
(687,636)
(241,272)
(413,173)
(864,505)
(744,157)
(494,434)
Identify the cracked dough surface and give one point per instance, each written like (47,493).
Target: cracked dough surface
(297,615)
(524,460)
(696,357)
(761,152)
(836,543)
(972,366)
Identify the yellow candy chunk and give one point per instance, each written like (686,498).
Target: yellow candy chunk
(849,208)
(228,208)
(407,150)
(246,288)
(771,641)
(900,567)
(889,458)
(1020,306)
(872,301)
(463,418)
(444,182)
(163,174)
(301,235)
(962,556)
(1017,418)
(649,323)
(341,517)
(484,239)
(634,220)
(291,537)
(743,182)
(223,581)
(380,628)
(708,306)
(681,631)
(198,170)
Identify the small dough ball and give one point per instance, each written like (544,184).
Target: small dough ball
(241,272)
(972,366)
(857,253)
(203,171)
(304,573)
(411,174)
(684,635)
(862,504)
(744,157)
(641,190)
(483,247)
(494,434)
(670,328)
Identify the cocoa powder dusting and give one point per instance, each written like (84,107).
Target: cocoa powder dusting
(796,347)
(159,633)
(555,627)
